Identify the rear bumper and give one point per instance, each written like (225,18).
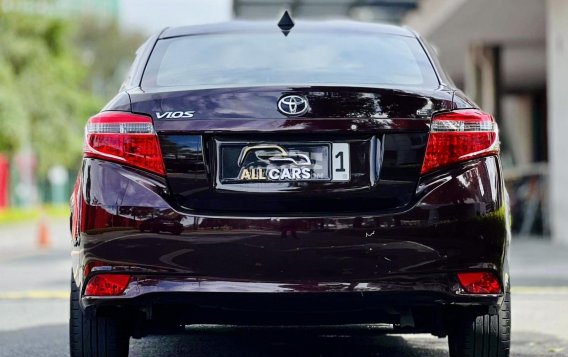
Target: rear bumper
(415,311)
(458,222)
(397,291)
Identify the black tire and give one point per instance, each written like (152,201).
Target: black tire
(482,336)
(97,336)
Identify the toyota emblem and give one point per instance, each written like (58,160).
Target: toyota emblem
(293,105)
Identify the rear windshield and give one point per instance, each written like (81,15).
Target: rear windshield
(301,58)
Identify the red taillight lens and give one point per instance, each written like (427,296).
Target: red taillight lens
(459,136)
(107,285)
(479,283)
(126,138)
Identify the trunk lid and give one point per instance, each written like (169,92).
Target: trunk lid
(363,147)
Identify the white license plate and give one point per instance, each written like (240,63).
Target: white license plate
(340,162)
(284,162)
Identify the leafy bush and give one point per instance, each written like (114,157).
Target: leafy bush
(54,74)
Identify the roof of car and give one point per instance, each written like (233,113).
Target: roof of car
(339,26)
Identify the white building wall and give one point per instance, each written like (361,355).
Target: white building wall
(516,125)
(557,87)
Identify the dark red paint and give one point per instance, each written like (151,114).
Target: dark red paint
(371,250)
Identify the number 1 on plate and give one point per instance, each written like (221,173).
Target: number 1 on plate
(340,167)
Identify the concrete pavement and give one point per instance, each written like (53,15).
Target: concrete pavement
(537,262)
(26,269)
(34,311)
(21,239)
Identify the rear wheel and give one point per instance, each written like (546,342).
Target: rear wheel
(100,336)
(484,335)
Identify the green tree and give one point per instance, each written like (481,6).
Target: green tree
(44,95)
(54,74)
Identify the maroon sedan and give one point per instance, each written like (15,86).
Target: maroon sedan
(326,174)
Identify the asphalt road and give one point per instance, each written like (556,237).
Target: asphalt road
(34,312)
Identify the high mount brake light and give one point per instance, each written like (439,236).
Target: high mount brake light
(126,138)
(458,136)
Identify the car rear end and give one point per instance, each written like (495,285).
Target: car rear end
(326,177)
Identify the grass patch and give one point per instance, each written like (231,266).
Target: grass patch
(17,215)
(57,211)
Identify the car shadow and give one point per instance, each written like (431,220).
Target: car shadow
(52,341)
(232,342)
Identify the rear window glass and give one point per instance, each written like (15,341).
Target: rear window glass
(301,58)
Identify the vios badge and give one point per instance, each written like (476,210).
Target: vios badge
(293,105)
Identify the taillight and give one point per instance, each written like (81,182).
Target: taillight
(107,285)
(126,138)
(479,282)
(458,136)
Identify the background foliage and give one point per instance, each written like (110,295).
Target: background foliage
(54,74)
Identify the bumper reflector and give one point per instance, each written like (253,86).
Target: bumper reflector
(479,282)
(107,285)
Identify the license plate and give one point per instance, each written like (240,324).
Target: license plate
(284,162)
